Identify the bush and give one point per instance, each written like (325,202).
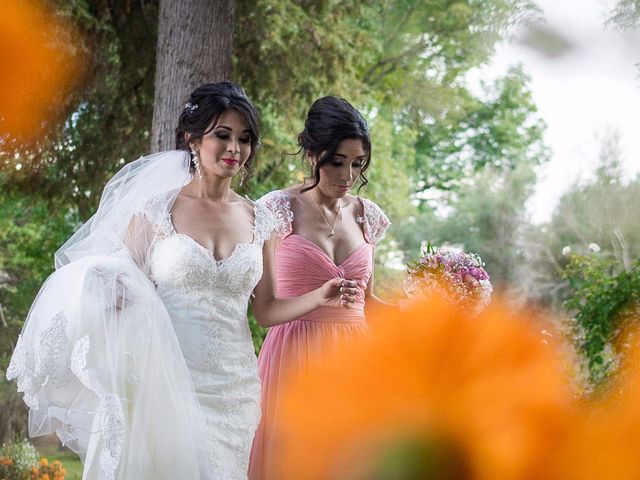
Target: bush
(603,298)
(17,459)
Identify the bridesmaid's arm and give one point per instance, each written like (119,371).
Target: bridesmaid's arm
(373,303)
(271,310)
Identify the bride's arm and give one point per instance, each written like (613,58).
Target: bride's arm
(271,310)
(137,240)
(135,246)
(373,303)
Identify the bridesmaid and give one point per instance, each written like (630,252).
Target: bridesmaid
(324,232)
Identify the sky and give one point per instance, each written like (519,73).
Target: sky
(583,94)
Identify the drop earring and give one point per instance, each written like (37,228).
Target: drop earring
(196,161)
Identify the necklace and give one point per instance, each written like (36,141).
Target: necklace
(332,229)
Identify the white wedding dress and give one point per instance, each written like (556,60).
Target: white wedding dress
(140,358)
(207,301)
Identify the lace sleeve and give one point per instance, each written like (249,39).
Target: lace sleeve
(279,204)
(152,221)
(375,221)
(265,224)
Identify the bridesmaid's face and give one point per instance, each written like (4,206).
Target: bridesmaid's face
(338,175)
(225,149)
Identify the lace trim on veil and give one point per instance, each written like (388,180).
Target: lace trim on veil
(109,416)
(50,365)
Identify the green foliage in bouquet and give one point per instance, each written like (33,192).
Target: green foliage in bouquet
(420,269)
(604,297)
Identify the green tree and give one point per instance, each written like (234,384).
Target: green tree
(400,61)
(625,14)
(601,211)
(479,201)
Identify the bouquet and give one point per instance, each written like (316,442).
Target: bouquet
(458,276)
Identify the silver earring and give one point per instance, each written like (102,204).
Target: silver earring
(242,176)
(196,162)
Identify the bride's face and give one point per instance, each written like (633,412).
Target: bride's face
(338,175)
(225,149)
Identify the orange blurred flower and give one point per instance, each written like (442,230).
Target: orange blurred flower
(431,394)
(6,462)
(605,444)
(39,62)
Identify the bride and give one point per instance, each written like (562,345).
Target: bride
(137,351)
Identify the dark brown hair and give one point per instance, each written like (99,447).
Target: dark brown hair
(331,120)
(205,106)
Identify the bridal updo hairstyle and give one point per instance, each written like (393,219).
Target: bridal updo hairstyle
(205,106)
(331,120)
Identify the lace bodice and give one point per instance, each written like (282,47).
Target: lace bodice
(375,222)
(177,261)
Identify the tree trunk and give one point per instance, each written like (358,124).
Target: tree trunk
(194,47)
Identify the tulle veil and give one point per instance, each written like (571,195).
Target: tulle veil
(98,359)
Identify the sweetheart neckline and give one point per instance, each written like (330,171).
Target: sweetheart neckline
(325,254)
(209,252)
(174,231)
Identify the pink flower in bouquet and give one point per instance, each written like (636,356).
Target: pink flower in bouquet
(457,275)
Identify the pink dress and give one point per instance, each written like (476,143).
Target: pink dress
(302,266)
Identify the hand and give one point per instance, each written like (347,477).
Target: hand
(113,286)
(338,293)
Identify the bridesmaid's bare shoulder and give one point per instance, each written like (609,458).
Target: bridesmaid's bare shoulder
(293,190)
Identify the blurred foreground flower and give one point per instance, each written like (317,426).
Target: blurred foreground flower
(432,393)
(39,65)
(605,444)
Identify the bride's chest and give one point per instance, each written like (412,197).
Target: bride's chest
(178,261)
